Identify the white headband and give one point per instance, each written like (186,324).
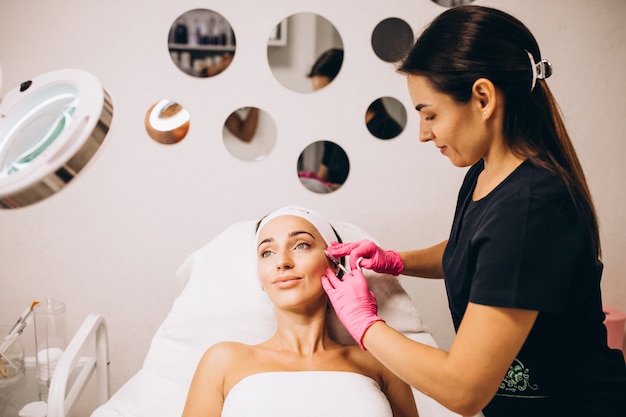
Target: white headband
(317,220)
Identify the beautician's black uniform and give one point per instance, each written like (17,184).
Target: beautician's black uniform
(383,126)
(525,246)
(337,163)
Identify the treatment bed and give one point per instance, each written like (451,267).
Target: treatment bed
(222,300)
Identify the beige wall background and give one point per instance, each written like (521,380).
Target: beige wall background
(111,242)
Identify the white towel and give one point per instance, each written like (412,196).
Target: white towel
(306,394)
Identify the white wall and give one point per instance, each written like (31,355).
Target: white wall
(112,241)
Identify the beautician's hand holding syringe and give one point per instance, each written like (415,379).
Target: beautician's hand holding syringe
(522,262)
(464,379)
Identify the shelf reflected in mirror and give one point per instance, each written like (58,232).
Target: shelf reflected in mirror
(392,39)
(249,134)
(167,122)
(201,43)
(299,42)
(386,118)
(323,167)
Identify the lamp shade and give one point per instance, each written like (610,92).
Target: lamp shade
(51,126)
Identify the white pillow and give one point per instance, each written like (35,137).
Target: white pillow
(223,300)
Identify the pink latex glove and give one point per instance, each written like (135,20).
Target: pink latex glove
(353,302)
(374,258)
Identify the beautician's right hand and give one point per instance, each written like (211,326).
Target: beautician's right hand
(353,302)
(372,257)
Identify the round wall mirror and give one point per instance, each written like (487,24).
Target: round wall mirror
(167,122)
(51,127)
(452,3)
(323,167)
(302,49)
(385,118)
(392,39)
(249,134)
(201,43)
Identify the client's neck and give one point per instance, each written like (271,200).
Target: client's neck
(304,335)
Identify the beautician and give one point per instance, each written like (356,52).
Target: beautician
(522,263)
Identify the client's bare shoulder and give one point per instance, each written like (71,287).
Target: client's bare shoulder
(227,362)
(363,359)
(227,356)
(227,351)
(398,393)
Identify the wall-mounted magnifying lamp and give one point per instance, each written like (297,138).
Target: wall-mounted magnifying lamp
(50,128)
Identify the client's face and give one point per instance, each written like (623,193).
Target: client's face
(291,262)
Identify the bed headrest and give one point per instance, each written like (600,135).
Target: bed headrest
(223,300)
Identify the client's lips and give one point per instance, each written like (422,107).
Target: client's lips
(286,282)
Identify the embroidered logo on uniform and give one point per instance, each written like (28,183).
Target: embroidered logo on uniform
(517,379)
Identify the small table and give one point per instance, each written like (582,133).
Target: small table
(25,389)
(16,394)
(71,374)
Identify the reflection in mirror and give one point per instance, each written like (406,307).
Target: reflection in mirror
(326,68)
(201,43)
(278,36)
(392,39)
(167,122)
(249,134)
(385,118)
(323,167)
(296,44)
(452,3)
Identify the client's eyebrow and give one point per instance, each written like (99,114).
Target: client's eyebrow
(292,234)
(296,233)
(269,239)
(419,107)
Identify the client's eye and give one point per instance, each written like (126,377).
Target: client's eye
(303,245)
(265,253)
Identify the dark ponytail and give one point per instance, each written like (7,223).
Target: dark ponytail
(466,43)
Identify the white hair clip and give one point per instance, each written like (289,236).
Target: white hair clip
(541,70)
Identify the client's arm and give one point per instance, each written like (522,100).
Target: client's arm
(399,394)
(206,393)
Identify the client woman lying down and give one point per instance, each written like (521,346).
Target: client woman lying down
(300,370)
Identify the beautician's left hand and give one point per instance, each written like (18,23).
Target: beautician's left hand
(353,301)
(370,256)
